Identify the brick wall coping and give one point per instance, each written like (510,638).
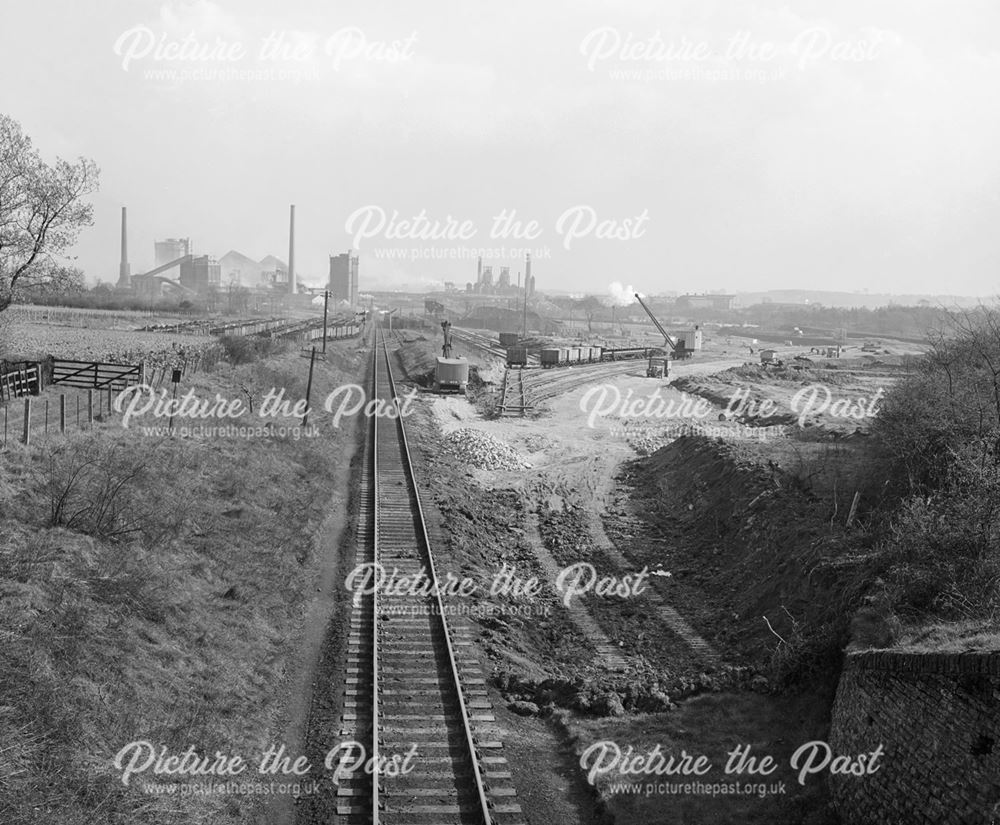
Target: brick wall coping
(901,661)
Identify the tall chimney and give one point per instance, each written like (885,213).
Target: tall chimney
(291,250)
(124,269)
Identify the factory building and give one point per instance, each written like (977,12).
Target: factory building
(201,273)
(274,272)
(178,271)
(502,286)
(240,269)
(710,301)
(344,277)
(169,250)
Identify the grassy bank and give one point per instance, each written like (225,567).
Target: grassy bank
(151,588)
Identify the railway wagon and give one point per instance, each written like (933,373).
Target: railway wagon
(508,339)
(575,355)
(625,353)
(517,356)
(553,357)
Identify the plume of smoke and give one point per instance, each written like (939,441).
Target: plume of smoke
(621,296)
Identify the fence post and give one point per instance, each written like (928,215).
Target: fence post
(26,437)
(90,408)
(62,413)
(46,416)
(78,412)
(109,399)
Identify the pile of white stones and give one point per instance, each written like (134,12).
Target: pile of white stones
(480,449)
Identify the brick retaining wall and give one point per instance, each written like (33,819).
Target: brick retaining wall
(937,717)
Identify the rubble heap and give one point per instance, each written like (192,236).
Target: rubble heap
(480,449)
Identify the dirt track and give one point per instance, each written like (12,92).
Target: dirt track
(623,665)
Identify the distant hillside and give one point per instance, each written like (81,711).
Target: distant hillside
(870,300)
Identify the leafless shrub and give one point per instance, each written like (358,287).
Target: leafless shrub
(112,490)
(92,489)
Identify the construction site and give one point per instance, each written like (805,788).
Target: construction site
(499,414)
(642,505)
(535,464)
(653,462)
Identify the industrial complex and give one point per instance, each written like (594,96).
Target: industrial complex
(178,271)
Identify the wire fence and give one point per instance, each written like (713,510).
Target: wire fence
(57,410)
(32,418)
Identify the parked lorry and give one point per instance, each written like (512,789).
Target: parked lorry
(769,358)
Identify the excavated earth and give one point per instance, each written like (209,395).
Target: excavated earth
(732,532)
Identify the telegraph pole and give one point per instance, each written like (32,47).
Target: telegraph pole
(326,304)
(309,384)
(524,333)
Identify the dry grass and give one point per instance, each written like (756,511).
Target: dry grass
(712,725)
(149,589)
(957,637)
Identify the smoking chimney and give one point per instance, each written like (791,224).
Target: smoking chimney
(291,251)
(124,269)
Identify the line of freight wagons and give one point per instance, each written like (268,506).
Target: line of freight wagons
(558,356)
(565,356)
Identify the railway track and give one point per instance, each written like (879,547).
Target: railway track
(414,685)
(543,384)
(520,394)
(484,343)
(513,397)
(481,342)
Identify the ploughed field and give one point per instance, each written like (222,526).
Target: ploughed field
(26,341)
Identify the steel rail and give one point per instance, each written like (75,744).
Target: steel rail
(453,665)
(375,550)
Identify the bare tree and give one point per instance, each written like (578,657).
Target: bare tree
(238,298)
(42,210)
(590,306)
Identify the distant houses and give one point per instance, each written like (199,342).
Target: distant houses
(709,301)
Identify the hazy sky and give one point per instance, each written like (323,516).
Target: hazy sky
(839,145)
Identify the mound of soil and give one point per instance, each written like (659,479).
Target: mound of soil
(751,535)
(419,360)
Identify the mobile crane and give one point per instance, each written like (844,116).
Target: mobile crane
(446,347)
(450,374)
(676,347)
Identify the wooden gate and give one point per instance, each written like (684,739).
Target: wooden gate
(19,381)
(95,375)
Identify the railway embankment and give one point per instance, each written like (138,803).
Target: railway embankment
(152,590)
